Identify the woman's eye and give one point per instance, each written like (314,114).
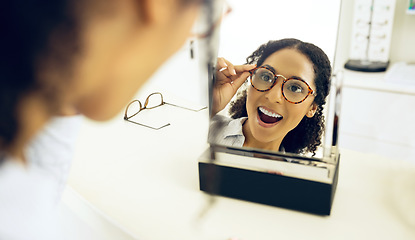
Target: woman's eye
(266,78)
(295,89)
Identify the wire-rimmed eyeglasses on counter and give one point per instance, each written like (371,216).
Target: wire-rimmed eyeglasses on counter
(153,100)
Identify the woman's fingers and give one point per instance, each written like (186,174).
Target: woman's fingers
(225,90)
(221,64)
(228,72)
(236,69)
(237,83)
(244,68)
(228,69)
(225,76)
(229,78)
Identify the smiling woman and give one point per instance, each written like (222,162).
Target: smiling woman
(282,107)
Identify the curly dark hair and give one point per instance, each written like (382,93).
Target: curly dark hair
(306,137)
(30,31)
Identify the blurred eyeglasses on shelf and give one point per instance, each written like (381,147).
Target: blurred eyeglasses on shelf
(374,24)
(154,100)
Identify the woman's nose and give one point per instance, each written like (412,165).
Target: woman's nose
(275,94)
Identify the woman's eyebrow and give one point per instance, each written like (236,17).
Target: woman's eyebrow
(270,67)
(296,77)
(275,72)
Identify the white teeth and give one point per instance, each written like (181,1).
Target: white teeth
(268,113)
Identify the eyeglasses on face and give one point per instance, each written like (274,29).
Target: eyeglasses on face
(153,100)
(294,89)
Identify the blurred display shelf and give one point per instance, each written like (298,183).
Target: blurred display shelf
(377,82)
(376,116)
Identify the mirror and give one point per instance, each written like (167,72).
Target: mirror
(249,157)
(280,107)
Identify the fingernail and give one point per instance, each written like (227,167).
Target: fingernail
(233,71)
(223,60)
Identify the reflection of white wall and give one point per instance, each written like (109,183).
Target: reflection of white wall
(252,23)
(403,34)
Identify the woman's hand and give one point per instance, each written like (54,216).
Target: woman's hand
(229,78)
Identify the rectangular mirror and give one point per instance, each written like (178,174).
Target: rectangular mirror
(283,104)
(274,103)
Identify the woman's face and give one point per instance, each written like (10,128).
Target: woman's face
(267,132)
(122,49)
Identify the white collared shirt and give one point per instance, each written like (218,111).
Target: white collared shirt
(227,131)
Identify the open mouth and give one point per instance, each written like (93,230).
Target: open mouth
(268,117)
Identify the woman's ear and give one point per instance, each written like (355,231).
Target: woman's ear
(312,110)
(158,11)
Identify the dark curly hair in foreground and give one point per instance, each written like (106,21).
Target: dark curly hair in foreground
(28,30)
(306,137)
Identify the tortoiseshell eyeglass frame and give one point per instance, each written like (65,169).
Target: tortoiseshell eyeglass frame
(310,91)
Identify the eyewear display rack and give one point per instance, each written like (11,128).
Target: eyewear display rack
(371,35)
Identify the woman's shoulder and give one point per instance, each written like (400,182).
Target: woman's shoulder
(223,119)
(227,131)
(53,146)
(220,122)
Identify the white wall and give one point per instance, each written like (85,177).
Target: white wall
(252,23)
(403,34)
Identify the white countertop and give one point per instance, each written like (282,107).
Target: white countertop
(146,181)
(378,82)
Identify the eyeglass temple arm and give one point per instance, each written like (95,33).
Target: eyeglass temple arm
(143,125)
(194,110)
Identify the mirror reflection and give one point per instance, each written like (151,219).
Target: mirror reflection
(285,84)
(276,99)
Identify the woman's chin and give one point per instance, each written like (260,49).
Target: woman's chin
(265,143)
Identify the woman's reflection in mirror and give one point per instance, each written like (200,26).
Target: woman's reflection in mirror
(280,105)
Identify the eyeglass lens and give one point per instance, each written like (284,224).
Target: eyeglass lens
(132,109)
(294,90)
(153,100)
